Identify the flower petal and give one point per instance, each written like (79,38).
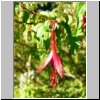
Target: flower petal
(51,62)
(58,64)
(46,62)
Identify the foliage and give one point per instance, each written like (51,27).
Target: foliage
(32,45)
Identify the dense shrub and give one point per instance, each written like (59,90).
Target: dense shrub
(32,45)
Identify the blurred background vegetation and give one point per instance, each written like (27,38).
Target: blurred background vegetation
(32,45)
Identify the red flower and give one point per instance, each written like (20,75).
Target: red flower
(54,60)
(83,20)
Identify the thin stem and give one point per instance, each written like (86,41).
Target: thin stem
(53,42)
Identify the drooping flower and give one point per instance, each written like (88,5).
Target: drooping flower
(53,59)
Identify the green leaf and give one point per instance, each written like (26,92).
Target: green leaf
(36,27)
(46,24)
(79,6)
(44,13)
(40,31)
(26,15)
(25,36)
(70,19)
(82,12)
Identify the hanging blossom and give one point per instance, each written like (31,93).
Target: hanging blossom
(53,59)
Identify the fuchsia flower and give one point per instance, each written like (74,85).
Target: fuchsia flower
(53,59)
(84,21)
